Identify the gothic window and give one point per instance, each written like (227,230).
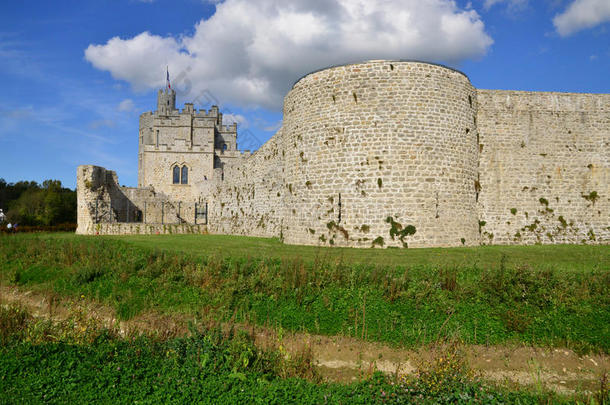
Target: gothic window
(185,175)
(224,146)
(176,175)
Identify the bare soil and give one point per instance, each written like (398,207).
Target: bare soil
(346,359)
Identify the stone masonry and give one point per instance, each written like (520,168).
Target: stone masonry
(376,154)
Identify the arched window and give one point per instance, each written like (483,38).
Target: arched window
(185,175)
(224,146)
(176,175)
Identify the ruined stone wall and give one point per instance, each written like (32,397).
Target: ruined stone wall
(122,228)
(102,205)
(374,148)
(544,167)
(250,198)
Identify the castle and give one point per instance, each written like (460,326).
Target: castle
(375,154)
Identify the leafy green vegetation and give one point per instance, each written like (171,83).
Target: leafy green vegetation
(45,362)
(28,203)
(519,298)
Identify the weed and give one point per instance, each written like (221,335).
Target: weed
(516,321)
(447,371)
(603,396)
(334,227)
(396,229)
(448,279)
(592,197)
(378,241)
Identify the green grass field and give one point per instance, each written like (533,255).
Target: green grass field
(539,295)
(534,295)
(559,257)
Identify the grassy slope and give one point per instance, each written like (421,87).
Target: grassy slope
(45,362)
(557,295)
(559,257)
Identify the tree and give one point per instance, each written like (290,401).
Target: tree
(50,204)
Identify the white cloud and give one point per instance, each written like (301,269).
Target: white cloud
(512,5)
(251,51)
(126,105)
(240,120)
(582,14)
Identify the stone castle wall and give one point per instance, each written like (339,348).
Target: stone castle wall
(544,167)
(250,199)
(380,140)
(393,153)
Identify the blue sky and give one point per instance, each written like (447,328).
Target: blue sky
(77,74)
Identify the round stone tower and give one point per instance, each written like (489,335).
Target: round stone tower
(381,153)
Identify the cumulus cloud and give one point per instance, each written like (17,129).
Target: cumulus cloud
(582,14)
(249,52)
(126,105)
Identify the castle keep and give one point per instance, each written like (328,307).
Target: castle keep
(382,153)
(191,143)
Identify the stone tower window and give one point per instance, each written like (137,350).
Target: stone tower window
(224,146)
(180,174)
(185,175)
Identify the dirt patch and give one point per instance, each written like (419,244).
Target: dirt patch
(347,359)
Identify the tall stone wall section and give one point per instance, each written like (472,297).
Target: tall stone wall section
(249,198)
(377,148)
(544,167)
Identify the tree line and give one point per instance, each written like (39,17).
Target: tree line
(31,204)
